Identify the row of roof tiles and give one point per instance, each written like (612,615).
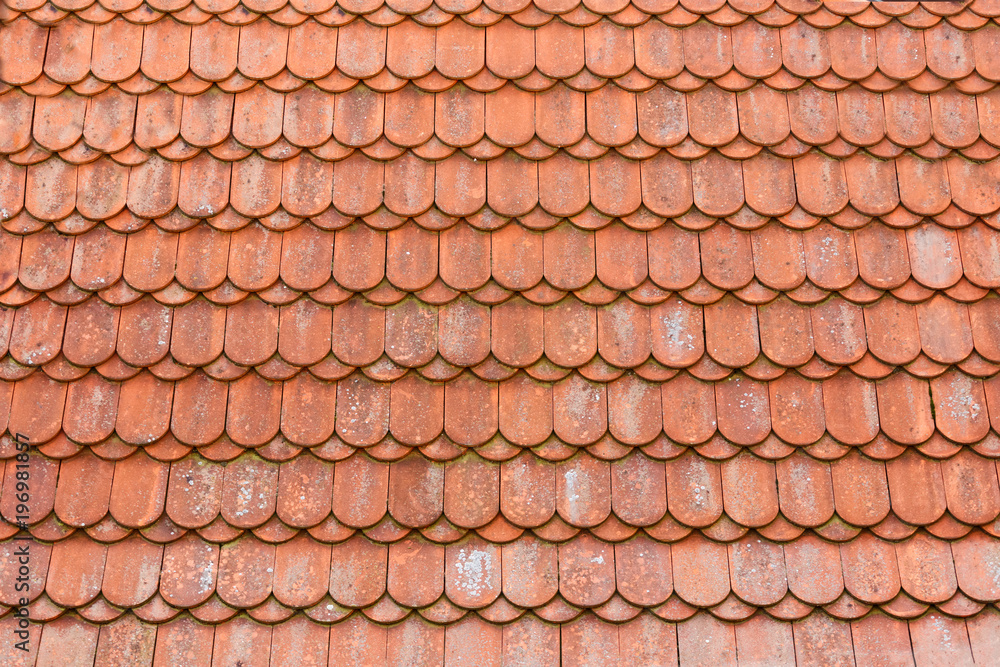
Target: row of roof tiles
(917,14)
(251,411)
(562,186)
(537,219)
(549,341)
(587,641)
(491,265)
(963,15)
(77,53)
(385,369)
(434,125)
(501,501)
(557,581)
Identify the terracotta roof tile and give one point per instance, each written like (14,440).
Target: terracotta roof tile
(358,227)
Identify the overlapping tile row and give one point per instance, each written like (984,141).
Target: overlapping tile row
(917,15)
(619,119)
(588,641)
(878,49)
(386,194)
(842,411)
(471,497)
(440,341)
(539,257)
(501,582)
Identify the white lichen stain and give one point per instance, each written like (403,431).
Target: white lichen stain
(475,569)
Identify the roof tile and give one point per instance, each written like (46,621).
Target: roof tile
(814,570)
(358,641)
(308,409)
(77,567)
(726,256)
(559,49)
(579,410)
(744,415)
(244,568)
(421,502)
(91,409)
(718,184)
(913,468)
(634,410)
(757,570)
(242,640)
(307,477)
(525,410)
(938,315)
(199,415)
(749,490)
(406,558)
(786,333)
(528,477)
(560,121)
(300,640)
(256,186)
(926,569)
(638,491)
(131,568)
(615,345)
(253,413)
(706,636)
(360,491)
(583,493)
(262,50)
(70,638)
(59,120)
(472,572)
(820,637)
(694,490)
(901,394)
(472,491)
(36,407)
(87,341)
(249,492)
(139,490)
(586,571)
(972,183)
(411,332)
(861,489)
(927,634)
(45,473)
(609,49)
(870,569)
(892,330)
(471,639)
(194,493)
(471,409)
(82,499)
(144,332)
(769,184)
(712,116)
(963,473)
(117,50)
(979,628)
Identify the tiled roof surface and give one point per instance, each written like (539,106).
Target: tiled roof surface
(502,333)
